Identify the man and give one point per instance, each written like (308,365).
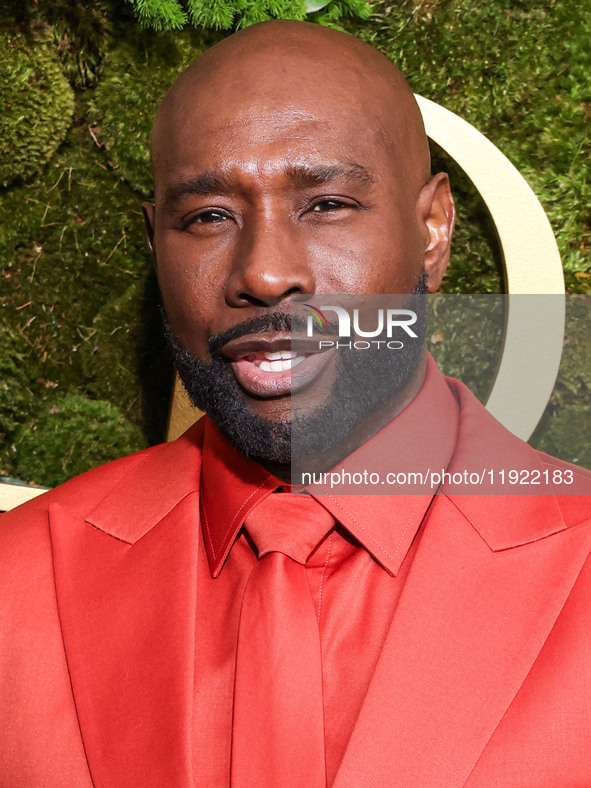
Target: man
(411,640)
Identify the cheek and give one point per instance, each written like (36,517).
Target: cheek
(380,258)
(191,285)
(399,252)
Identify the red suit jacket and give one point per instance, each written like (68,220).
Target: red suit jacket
(484,679)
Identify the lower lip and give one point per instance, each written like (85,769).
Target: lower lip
(263,384)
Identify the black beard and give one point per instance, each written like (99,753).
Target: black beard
(366,381)
(213,388)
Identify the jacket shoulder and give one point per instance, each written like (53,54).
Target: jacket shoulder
(81,494)
(575,508)
(484,442)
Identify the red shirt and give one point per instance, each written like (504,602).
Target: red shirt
(356,576)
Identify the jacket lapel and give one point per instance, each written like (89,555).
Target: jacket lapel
(464,637)
(125,581)
(488,581)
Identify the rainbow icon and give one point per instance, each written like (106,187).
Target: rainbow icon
(316,313)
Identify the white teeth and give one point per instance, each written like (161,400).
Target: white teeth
(280,354)
(280,366)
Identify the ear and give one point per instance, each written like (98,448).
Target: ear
(149,212)
(436,213)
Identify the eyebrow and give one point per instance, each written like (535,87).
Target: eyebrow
(315,175)
(302,176)
(208,182)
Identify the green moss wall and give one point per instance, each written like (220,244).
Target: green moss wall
(84,376)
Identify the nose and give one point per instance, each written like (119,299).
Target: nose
(269,265)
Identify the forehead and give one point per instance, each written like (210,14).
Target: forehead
(287,121)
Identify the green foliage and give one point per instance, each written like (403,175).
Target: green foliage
(476,263)
(466,338)
(17,365)
(77,277)
(565,428)
(36,104)
(138,73)
(519,72)
(160,14)
(332,14)
(234,14)
(564,433)
(71,435)
(78,29)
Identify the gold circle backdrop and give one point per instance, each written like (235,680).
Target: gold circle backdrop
(534,332)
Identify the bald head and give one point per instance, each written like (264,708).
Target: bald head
(290,158)
(280,70)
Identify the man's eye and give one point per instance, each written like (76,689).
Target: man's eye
(327,206)
(210,217)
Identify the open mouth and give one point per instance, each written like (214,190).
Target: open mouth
(268,367)
(280,361)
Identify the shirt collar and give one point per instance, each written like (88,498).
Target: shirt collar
(385,525)
(231,484)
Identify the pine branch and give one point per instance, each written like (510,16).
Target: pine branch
(216,14)
(229,14)
(160,14)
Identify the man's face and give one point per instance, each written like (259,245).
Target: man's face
(273,191)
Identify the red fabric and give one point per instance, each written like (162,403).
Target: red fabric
(278,721)
(482,680)
(355,575)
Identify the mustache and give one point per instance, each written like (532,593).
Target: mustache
(274,321)
(279,320)
(287,321)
